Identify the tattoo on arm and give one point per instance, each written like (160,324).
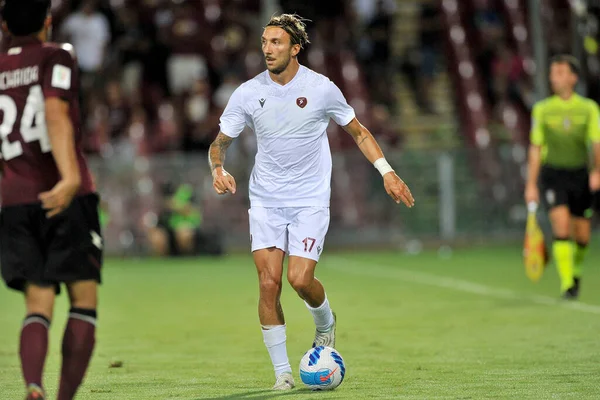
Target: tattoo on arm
(358,133)
(361,140)
(217,150)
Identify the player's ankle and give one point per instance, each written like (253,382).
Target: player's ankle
(286,370)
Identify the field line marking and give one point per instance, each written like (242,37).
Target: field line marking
(385,271)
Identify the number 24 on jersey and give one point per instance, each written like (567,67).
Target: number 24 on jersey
(32,125)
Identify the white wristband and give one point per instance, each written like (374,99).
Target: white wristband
(383,166)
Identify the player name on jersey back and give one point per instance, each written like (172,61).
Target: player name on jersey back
(19,77)
(31,73)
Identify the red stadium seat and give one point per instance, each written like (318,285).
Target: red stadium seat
(472,103)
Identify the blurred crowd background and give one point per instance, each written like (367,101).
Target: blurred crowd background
(446,86)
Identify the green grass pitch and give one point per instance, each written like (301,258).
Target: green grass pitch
(409,327)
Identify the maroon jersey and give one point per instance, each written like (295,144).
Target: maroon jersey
(30,72)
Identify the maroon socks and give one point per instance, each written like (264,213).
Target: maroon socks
(33,348)
(77,348)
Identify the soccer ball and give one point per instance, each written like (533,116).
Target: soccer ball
(322,368)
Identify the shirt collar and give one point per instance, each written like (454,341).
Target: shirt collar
(298,73)
(20,41)
(570,100)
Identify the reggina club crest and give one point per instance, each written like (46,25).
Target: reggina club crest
(301,102)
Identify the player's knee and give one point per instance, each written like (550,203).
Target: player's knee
(300,282)
(561,230)
(582,230)
(86,302)
(83,294)
(40,300)
(269,285)
(41,309)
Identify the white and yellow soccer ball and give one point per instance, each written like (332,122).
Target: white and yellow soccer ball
(322,368)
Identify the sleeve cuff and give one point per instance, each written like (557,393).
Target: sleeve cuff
(228,131)
(347,119)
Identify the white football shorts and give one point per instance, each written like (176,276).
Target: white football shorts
(299,231)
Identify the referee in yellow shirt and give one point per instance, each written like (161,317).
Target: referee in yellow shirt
(564,127)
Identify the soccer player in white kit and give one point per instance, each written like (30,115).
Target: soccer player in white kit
(289,107)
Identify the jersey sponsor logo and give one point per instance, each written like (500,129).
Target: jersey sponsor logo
(301,102)
(262,102)
(61,77)
(567,123)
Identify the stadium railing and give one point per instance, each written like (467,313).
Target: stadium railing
(451,204)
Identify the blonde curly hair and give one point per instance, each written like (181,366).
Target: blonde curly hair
(294,25)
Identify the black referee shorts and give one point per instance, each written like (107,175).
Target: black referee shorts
(570,187)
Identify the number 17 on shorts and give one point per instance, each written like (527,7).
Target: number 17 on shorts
(299,231)
(309,247)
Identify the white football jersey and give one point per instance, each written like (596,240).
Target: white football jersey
(293,163)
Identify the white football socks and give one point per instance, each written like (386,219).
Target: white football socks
(322,315)
(274,338)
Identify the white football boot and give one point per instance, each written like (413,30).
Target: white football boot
(285,381)
(326,338)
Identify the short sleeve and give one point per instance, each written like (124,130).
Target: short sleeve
(537,132)
(594,123)
(336,106)
(59,75)
(233,119)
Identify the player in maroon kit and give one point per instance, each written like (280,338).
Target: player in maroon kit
(49,229)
